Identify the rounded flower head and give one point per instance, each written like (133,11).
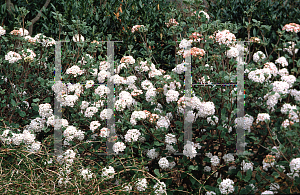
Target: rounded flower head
(12,57)
(226,186)
(292,27)
(23,32)
(258,56)
(172,22)
(225,37)
(2,31)
(136,28)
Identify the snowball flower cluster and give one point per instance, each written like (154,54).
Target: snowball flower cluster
(226,186)
(152,154)
(94,125)
(258,56)
(160,188)
(228,158)
(45,110)
(189,150)
(163,122)
(108,172)
(246,166)
(257,75)
(180,68)
(69,100)
(127,59)
(225,37)
(71,132)
(170,139)
(291,48)
(172,96)
(86,174)
(196,37)
(295,165)
(12,57)
(137,115)
(23,32)
(119,147)
(75,71)
(57,123)
(233,52)
(214,160)
(141,184)
(163,163)
(282,61)
(281,87)
(245,122)
(292,27)
(185,43)
(132,135)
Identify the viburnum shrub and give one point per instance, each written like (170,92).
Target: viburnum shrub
(149,115)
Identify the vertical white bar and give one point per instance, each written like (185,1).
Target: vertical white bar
(187,96)
(240,145)
(57,103)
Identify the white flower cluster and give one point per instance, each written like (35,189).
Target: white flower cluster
(172,96)
(272,67)
(86,174)
(160,188)
(246,166)
(119,147)
(90,111)
(207,169)
(274,187)
(226,186)
(75,71)
(212,120)
(106,114)
(163,121)
(12,57)
(225,37)
(245,122)
(228,158)
(70,133)
(180,68)
(262,117)
(102,75)
(189,149)
(163,163)
(28,55)
(127,59)
(291,48)
(108,172)
(132,135)
(34,147)
(170,139)
(281,87)
(290,79)
(185,43)
(57,123)
(267,165)
(45,41)
(141,184)
(282,61)
(214,160)
(233,52)
(137,115)
(295,165)
(210,193)
(94,125)
(258,56)
(258,75)
(150,94)
(45,110)
(77,88)
(205,109)
(152,154)
(23,32)
(104,132)
(102,90)
(283,72)
(2,31)
(69,100)
(37,124)
(272,100)
(295,94)
(68,157)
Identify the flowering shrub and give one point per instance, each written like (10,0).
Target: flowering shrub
(149,115)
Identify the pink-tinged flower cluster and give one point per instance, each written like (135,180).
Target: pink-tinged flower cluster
(196,52)
(196,37)
(12,57)
(291,27)
(225,37)
(172,22)
(127,59)
(254,40)
(75,70)
(136,28)
(206,15)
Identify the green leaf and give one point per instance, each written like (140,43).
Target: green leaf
(248,175)
(36,100)
(156,171)
(191,167)
(192,180)
(13,103)
(239,175)
(219,180)
(22,114)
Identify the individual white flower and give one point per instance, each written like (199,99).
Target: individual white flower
(78,38)
(226,186)
(258,56)
(163,163)
(108,172)
(119,147)
(152,154)
(141,185)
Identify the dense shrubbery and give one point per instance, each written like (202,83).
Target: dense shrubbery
(149,108)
